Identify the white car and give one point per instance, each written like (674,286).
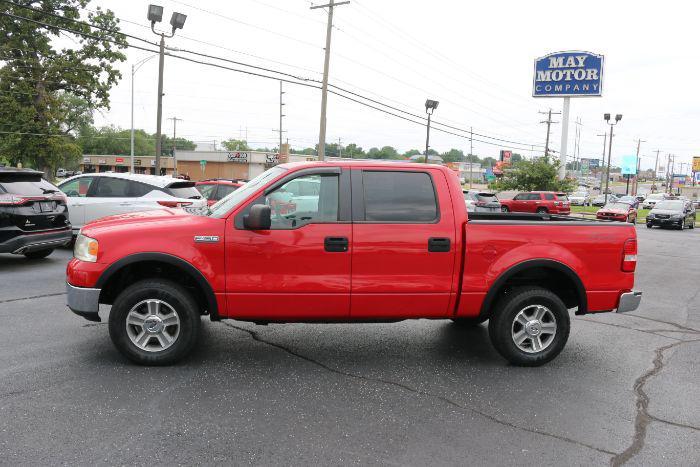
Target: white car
(91,196)
(652,199)
(580,198)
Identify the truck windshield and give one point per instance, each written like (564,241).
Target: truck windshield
(223,206)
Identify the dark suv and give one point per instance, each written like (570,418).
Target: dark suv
(33,214)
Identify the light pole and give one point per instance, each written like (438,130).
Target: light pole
(177,21)
(430,106)
(134,69)
(605,140)
(618,117)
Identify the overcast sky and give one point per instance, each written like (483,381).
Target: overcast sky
(476,58)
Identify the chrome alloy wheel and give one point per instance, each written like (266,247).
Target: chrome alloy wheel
(152,325)
(534,328)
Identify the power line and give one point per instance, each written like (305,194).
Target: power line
(307,84)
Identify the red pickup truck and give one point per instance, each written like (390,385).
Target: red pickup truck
(358,241)
(538,202)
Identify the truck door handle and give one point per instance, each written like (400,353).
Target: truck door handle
(439,245)
(336,244)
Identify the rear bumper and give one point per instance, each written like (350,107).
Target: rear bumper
(629,301)
(36,241)
(84,301)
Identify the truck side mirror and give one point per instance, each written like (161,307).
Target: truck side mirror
(259,218)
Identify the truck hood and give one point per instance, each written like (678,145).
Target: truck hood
(666,211)
(139,217)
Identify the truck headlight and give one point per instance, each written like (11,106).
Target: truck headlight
(85,249)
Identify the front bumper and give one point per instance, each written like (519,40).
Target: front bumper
(662,222)
(37,241)
(629,301)
(84,301)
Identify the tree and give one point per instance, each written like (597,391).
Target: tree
(516,158)
(453,155)
(386,152)
(236,145)
(354,151)
(533,175)
(488,162)
(47,92)
(412,152)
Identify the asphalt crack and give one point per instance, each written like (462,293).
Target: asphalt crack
(256,337)
(635,329)
(643,417)
(32,297)
(679,326)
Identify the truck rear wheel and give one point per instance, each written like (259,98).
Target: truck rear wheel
(529,326)
(154,322)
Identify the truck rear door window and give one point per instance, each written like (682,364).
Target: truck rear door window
(399,197)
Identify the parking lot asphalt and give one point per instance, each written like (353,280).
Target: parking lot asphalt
(626,389)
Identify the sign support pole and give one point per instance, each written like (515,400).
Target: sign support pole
(564,137)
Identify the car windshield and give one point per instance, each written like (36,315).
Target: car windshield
(578,194)
(628,199)
(656,196)
(617,206)
(223,206)
(669,205)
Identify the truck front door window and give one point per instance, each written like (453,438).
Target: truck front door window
(304,200)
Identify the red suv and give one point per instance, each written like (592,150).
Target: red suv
(539,202)
(216,188)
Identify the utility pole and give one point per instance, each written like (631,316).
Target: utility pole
(549,122)
(656,169)
(636,175)
(175,120)
(471,149)
(605,139)
(324,88)
(279,151)
(669,174)
(340,149)
(577,145)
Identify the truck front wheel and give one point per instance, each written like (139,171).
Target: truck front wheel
(154,322)
(529,326)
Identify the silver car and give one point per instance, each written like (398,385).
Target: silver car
(580,198)
(481,201)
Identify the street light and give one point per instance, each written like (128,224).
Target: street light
(134,69)
(430,106)
(618,117)
(177,21)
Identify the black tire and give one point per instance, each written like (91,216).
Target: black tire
(169,293)
(502,326)
(469,322)
(649,226)
(505,209)
(39,254)
(542,211)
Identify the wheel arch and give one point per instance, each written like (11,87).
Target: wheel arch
(547,273)
(138,266)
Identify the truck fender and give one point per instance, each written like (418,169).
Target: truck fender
(194,273)
(498,284)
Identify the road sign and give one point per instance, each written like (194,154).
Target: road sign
(593,163)
(629,164)
(568,74)
(506,156)
(585,165)
(696,164)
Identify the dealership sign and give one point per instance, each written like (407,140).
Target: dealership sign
(568,74)
(237,157)
(629,164)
